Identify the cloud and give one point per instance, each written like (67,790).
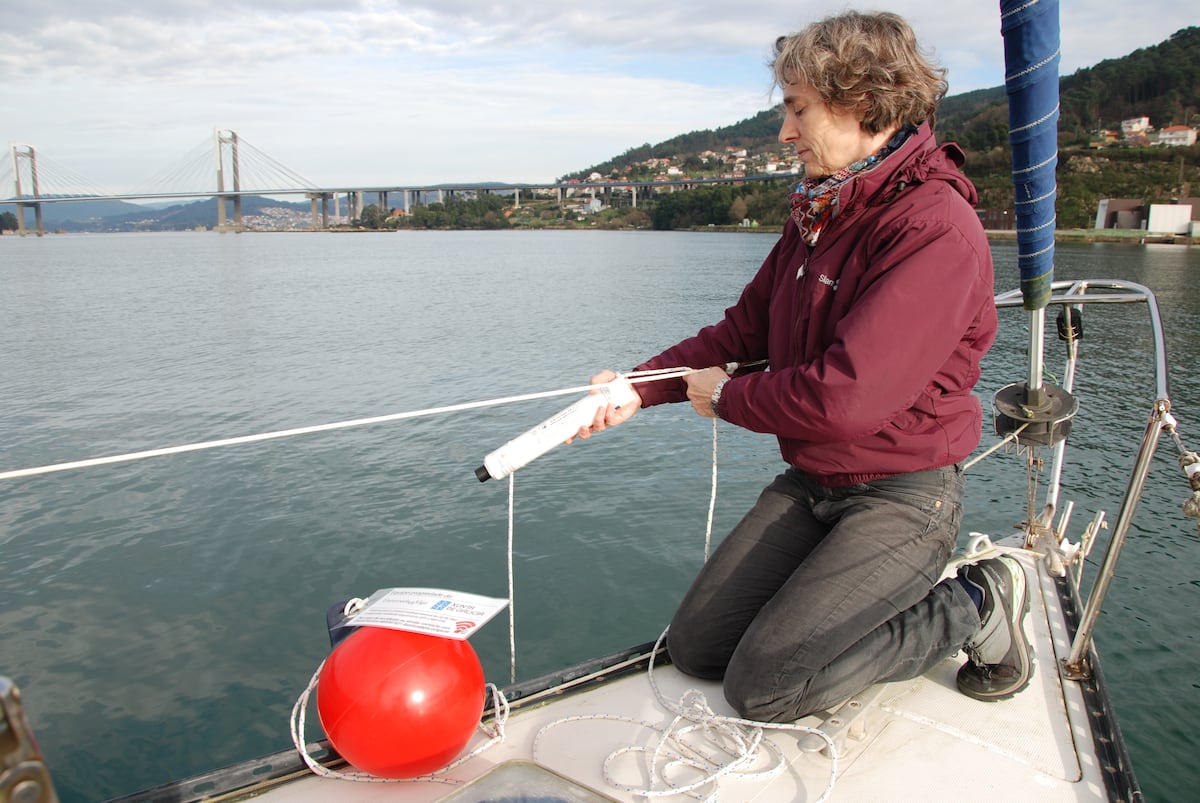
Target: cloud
(436,90)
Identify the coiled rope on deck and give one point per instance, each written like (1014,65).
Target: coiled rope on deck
(699,743)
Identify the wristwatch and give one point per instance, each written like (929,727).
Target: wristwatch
(716,396)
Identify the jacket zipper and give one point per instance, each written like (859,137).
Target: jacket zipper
(800,307)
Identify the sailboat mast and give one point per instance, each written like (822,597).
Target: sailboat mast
(1031,55)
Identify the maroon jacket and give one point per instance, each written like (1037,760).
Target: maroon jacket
(874,335)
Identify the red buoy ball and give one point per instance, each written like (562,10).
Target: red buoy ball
(397,704)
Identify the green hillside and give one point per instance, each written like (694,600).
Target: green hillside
(755,134)
(1161,82)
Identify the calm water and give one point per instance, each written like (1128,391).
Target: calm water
(161,617)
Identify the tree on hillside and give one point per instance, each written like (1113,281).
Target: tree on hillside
(738,210)
(487,211)
(1161,82)
(715,205)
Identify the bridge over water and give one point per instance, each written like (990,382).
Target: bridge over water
(242,170)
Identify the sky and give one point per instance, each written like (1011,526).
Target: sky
(116,95)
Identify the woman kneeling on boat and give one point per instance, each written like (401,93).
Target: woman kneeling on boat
(873,310)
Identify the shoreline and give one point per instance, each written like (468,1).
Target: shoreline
(1127,236)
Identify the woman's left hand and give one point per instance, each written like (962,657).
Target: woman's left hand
(700,389)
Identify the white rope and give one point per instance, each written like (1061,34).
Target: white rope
(712,495)
(512,619)
(700,742)
(639,376)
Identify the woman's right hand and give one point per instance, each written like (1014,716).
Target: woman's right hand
(609,416)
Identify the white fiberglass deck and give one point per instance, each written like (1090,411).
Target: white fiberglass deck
(915,740)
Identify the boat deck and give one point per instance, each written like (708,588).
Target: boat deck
(919,739)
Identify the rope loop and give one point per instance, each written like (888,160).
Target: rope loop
(698,747)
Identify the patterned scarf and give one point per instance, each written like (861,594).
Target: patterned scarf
(814,201)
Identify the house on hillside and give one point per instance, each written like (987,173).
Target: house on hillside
(1177,135)
(1136,130)
(1105,137)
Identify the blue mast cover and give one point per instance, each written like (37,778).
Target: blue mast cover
(1031,57)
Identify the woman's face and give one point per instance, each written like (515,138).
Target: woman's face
(826,139)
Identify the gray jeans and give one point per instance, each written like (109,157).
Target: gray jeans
(820,592)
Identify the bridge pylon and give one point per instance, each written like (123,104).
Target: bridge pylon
(226,141)
(320,208)
(29,155)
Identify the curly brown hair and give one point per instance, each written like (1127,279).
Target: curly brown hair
(869,64)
